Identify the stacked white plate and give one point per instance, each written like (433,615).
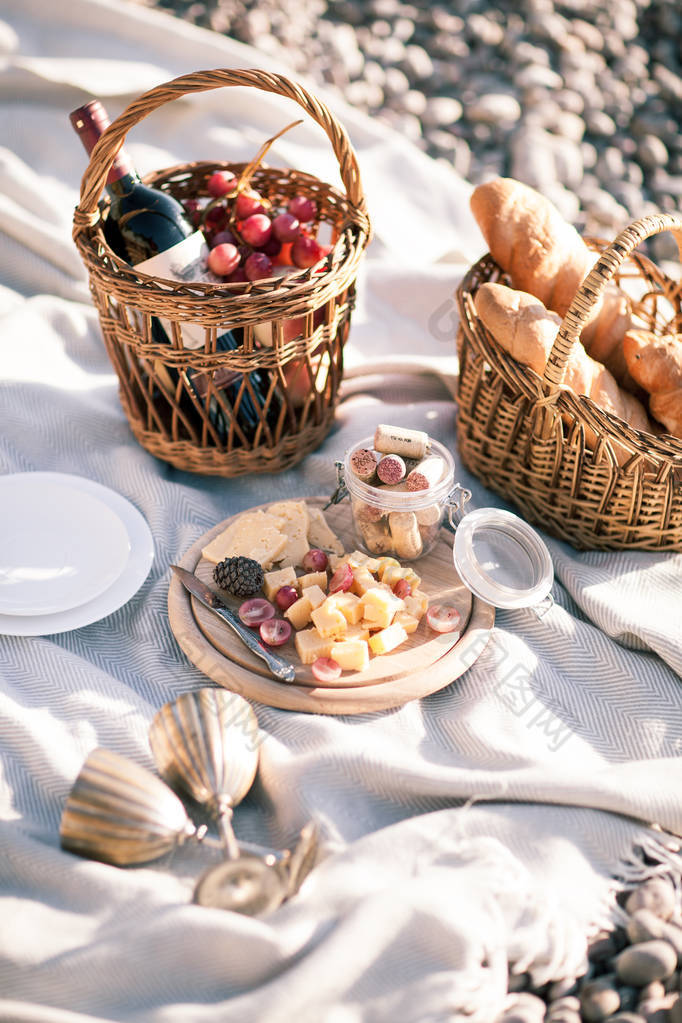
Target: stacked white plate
(71,552)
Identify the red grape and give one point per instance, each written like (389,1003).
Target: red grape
(238,276)
(248,203)
(315,560)
(402,588)
(221,237)
(286,227)
(443,618)
(286,596)
(223,259)
(326,669)
(258,266)
(306,251)
(275,631)
(221,182)
(216,219)
(256,229)
(302,208)
(255,611)
(342,579)
(272,248)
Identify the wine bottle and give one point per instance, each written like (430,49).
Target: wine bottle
(151,230)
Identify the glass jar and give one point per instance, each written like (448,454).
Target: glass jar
(392,521)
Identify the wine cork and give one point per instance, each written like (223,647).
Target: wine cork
(363,464)
(376,537)
(391,469)
(395,440)
(428,516)
(364,512)
(426,474)
(407,541)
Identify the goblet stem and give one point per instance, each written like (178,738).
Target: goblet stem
(227,836)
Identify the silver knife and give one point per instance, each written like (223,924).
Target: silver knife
(281,669)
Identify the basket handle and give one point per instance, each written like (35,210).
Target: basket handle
(111,140)
(590,290)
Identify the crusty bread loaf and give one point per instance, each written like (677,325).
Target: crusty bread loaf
(655,362)
(521,325)
(545,256)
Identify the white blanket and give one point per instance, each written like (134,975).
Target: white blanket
(570,725)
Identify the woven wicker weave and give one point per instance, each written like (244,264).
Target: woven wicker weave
(164,412)
(524,436)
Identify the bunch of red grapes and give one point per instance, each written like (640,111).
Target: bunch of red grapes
(247,238)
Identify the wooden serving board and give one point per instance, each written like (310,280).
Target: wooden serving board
(423,647)
(427,661)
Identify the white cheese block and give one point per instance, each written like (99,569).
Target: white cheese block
(256,535)
(295,525)
(320,535)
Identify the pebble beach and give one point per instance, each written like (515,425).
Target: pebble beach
(581,100)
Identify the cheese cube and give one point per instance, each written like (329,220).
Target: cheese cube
(319,533)
(328,620)
(348,604)
(312,579)
(409,623)
(295,526)
(388,639)
(335,561)
(379,607)
(310,645)
(416,603)
(274,581)
(258,535)
(352,656)
(384,563)
(315,595)
(363,580)
(393,573)
(356,632)
(299,613)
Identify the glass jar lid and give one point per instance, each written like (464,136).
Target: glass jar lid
(502,559)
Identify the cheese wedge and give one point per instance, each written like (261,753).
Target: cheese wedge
(256,535)
(295,525)
(320,535)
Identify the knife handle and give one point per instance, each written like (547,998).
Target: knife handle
(278,666)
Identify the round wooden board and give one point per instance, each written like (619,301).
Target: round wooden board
(426,663)
(439,580)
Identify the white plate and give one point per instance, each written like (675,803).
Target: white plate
(59,547)
(120,590)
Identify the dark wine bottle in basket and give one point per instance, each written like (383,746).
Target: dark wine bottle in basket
(151,230)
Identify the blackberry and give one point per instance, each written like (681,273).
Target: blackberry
(240,576)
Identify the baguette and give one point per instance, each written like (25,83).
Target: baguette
(545,256)
(656,364)
(525,329)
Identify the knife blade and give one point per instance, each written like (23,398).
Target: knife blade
(281,669)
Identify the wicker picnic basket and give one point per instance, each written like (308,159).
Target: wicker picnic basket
(298,375)
(533,441)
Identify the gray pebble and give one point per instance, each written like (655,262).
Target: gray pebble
(494,108)
(562,989)
(652,153)
(417,62)
(442,111)
(675,1011)
(650,960)
(599,999)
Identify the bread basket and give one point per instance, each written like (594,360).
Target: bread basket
(526,436)
(305,316)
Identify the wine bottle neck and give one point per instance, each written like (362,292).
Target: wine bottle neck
(89,122)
